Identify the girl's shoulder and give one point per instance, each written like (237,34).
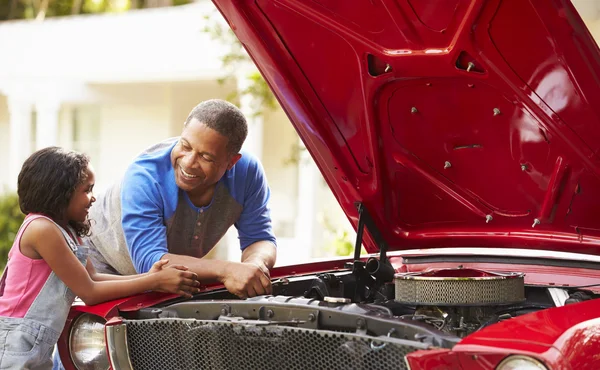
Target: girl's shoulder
(40,222)
(35,231)
(40,228)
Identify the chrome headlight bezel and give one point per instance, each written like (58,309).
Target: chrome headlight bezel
(519,361)
(87,343)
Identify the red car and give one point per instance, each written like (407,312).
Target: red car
(462,139)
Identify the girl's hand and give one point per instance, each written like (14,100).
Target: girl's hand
(157,266)
(175,279)
(160,264)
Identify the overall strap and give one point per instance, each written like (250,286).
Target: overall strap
(70,240)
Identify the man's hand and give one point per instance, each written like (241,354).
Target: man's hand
(261,265)
(246,279)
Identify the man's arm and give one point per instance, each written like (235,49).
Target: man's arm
(142,219)
(262,253)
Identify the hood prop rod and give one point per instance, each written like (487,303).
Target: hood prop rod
(365,219)
(381,269)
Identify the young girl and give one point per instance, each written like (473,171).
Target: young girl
(48,267)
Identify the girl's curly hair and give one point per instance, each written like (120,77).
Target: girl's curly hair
(47,181)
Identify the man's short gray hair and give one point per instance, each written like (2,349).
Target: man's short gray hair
(223,117)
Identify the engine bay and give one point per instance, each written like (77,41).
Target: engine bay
(324,302)
(436,306)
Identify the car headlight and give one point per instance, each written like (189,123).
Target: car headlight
(87,344)
(520,363)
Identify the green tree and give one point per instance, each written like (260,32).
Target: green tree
(10,221)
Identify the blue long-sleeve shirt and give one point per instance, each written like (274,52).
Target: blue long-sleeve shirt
(156,217)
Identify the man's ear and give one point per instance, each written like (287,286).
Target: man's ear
(234,160)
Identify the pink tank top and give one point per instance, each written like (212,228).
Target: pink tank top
(25,277)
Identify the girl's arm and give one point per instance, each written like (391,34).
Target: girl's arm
(96,276)
(48,241)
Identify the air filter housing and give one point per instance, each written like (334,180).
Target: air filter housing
(459,287)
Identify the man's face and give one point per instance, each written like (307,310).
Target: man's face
(200,158)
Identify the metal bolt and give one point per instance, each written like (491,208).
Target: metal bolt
(311,317)
(496,112)
(488,218)
(270,313)
(535,222)
(413,110)
(360,324)
(117,330)
(224,311)
(470,66)
(388,68)
(523,167)
(475,357)
(447,165)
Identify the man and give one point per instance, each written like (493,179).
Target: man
(179,197)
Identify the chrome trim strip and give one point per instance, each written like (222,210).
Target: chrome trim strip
(118,349)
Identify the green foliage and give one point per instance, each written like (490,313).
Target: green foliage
(340,241)
(341,245)
(235,58)
(10,221)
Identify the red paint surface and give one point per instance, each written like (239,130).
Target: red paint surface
(537,158)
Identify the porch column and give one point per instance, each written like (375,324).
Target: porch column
(19,111)
(46,124)
(306,220)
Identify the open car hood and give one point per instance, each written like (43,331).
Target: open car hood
(453,122)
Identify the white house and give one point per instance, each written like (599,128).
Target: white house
(112,84)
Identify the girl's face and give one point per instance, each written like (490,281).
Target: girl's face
(82,198)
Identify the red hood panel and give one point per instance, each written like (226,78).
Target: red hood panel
(456,122)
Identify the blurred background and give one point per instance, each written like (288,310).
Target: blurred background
(111,77)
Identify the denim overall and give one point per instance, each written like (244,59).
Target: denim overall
(28,342)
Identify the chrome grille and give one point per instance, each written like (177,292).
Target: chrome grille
(460,291)
(194,344)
